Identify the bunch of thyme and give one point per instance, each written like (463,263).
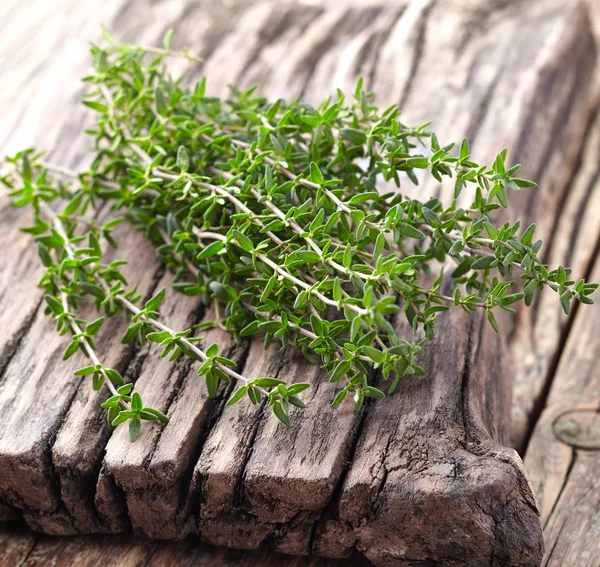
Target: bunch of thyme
(271,212)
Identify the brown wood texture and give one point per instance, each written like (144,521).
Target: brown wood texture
(420,477)
(563,457)
(25,549)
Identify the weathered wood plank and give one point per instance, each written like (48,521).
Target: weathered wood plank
(389,483)
(191,553)
(119,551)
(15,546)
(24,548)
(71,464)
(31,421)
(504,62)
(281,481)
(562,458)
(154,475)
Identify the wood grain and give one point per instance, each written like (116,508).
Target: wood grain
(25,549)
(562,458)
(381,482)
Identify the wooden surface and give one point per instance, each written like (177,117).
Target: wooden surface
(508,74)
(22,548)
(563,456)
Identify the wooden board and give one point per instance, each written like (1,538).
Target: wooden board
(380,482)
(563,457)
(25,549)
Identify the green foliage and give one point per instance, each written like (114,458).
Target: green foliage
(271,211)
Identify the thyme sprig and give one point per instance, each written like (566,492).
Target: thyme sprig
(274,213)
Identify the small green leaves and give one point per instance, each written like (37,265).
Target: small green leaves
(94,105)
(353,135)
(523,183)
(211,250)
(528,235)
(280,409)
(135,426)
(155,302)
(237,395)
(159,336)
(271,214)
(93,327)
(315,174)
(464,150)
(483,263)
(410,231)
(243,241)
(492,319)
(167,38)
(162,105)
(54,304)
(183,159)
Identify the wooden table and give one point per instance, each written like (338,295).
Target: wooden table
(514,74)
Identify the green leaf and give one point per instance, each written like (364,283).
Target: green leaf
(418,162)
(462,268)
(523,183)
(116,378)
(95,105)
(528,235)
(430,216)
(266,382)
(162,105)
(55,305)
(298,387)
(237,395)
(183,159)
(85,371)
(296,401)
(136,402)
(167,38)
(121,417)
(135,426)
(212,350)
(211,250)
(464,149)
(212,383)
(131,333)
(340,370)
(317,324)
(97,381)
(44,255)
(315,173)
(491,230)
(372,392)
(492,319)
(281,412)
(71,349)
(513,298)
(112,414)
(158,337)
(483,262)
(152,414)
(374,354)
(243,241)
(339,398)
(363,197)
(410,231)
(156,301)
(353,135)
(93,327)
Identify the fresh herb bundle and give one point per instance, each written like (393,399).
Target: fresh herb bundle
(271,212)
